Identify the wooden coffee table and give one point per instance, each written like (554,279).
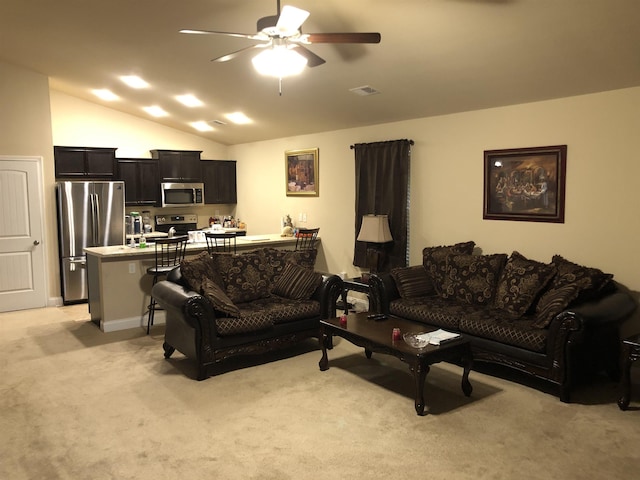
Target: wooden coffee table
(376,336)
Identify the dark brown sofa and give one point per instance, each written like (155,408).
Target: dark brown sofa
(557,321)
(223,305)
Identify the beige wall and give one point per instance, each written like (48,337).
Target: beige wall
(601,227)
(25,129)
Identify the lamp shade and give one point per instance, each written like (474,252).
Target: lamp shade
(279,61)
(375,229)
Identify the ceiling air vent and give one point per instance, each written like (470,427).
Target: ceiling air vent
(364,90)
(217,122)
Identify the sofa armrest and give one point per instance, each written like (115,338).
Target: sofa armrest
(327,294)
(382,290)
(189,306)
(613,308)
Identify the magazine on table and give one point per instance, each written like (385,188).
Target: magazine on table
(438,337)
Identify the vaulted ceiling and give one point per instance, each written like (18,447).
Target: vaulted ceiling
(436,57)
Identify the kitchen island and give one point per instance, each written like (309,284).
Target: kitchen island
(119,287)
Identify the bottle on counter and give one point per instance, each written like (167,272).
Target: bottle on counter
(143,241)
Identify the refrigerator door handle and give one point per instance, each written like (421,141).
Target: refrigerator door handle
(96,221)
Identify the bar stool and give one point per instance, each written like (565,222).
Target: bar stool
(169,253)
(220,242)
(306,238)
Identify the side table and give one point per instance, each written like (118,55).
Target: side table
(630,353)
(353,284)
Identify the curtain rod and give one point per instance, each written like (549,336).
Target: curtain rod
(411,142)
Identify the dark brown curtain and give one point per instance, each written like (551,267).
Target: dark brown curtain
(382,185)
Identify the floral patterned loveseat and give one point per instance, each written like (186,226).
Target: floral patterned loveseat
(223,304)
(557,321)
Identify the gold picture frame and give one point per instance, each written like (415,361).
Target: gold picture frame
(301,172)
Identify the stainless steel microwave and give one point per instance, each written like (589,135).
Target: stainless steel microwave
(182,194)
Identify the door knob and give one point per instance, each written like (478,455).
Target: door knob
(36,242)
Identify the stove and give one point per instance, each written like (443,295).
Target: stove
(182,223)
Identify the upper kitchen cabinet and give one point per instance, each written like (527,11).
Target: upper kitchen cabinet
(85,162)
(179,165)
(141,178)
(219,181)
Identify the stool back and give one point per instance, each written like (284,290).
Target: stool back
(306,238)
(221,242)
(170,252)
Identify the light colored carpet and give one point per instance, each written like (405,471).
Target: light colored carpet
(77,403)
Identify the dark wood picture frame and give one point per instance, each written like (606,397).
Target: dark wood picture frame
(526,184)
(301,172)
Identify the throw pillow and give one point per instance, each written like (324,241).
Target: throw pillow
(277,258)
(572,282)
(434,260)
(592,282)
(412,281)
(220,301)
(554,301)
(246,276)
(520,283)
(473,278)
(195,269)
(297,283)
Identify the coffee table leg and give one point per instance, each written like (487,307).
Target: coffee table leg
(467,361)
(419,371)
(324,340)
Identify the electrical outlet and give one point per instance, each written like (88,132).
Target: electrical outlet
(304,217)
(132,267)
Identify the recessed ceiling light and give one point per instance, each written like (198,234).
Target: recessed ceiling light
(202,126)
(105,94)
(238,118)
(156,111)
(134,81)
(189,100)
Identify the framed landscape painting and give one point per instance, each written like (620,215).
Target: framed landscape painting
(301,171)
(525,184)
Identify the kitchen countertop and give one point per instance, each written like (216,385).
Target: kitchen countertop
(247,242)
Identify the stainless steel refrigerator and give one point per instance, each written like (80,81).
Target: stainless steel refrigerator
(90,214)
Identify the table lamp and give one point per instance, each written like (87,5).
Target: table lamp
(375,231)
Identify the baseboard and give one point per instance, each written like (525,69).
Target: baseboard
(54,302)
(131,322)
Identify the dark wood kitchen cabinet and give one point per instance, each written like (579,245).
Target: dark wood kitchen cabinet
(85,162)
(219,181)
(180,166)
(141,178)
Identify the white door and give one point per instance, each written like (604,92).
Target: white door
(22,262)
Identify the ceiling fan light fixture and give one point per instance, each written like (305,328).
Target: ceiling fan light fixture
(279,61)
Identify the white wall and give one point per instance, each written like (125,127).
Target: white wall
(77,122)
(601,228)
(25,129)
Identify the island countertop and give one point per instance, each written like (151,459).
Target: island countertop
(243,243)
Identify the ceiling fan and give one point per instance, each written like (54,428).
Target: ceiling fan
(284,44)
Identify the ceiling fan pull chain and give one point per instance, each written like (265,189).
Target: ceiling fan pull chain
(280,86)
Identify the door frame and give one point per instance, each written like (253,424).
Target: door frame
(38,161)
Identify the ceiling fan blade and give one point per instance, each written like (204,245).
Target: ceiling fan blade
(365,37)
(251,36)
(291,19)
(232,55)
(313,60)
